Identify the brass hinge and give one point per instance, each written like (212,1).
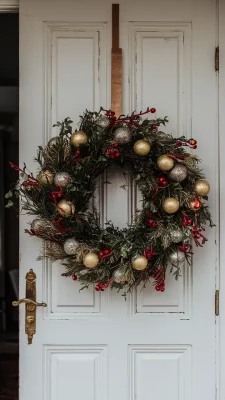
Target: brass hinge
(217,302)
(217,54)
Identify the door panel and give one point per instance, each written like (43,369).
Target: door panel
(93,345)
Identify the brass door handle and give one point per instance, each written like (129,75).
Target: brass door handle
(28,301)
(30,305)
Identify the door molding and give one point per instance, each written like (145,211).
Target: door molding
(7,6)
(221,272)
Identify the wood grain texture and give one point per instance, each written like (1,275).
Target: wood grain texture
(116,66)
(116,81)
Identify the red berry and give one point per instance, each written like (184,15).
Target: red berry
(194,147)
(115,145)
(155,127)
(111,151)
(77,152)
(150,222)
(189,221)
(153,110)
(101,254)
(157,288)
(164,183)
(192,142)
(154,224)
(117,154)
(74,277)
(161,179)
(162,288)
(106,252)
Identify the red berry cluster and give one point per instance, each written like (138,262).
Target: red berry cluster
(112,151)
(152,223)
(186,221)
(193,143)
(159,277)
(104,253)
(99,287)
(162,180)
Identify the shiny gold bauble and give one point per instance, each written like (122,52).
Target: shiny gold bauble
(165,163)
(78,138)
(65,208)
(139,263)
(201,188)
(45,178)
(141,147)
(170,205)
(91,260)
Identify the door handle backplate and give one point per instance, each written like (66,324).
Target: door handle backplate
(30,305)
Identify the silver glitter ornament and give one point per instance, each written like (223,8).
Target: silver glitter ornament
(70,246)
(178,173)
(122,135)
(62,179)
(41,224)
(119,276)
(53,141)
(177,257)
(103,121)
(176,235)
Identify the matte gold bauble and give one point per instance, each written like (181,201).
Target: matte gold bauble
(45,178)
(65,208)
(91,260)
(165,163)
(142,147)
(202,188)
(139,263)
(78,138)
(170,205)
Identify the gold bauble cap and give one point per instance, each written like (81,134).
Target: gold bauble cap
(139,263)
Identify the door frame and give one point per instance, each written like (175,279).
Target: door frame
(7,6)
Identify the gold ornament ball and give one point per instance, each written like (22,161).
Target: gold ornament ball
(165,163)
(142,147)
(65,208)
(139,263)
(202,188)
(171,205)
(78,138)
(91,260)
(45,178)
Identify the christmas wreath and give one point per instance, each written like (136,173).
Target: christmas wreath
(171,218)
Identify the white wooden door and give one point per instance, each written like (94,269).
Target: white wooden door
(96,346)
